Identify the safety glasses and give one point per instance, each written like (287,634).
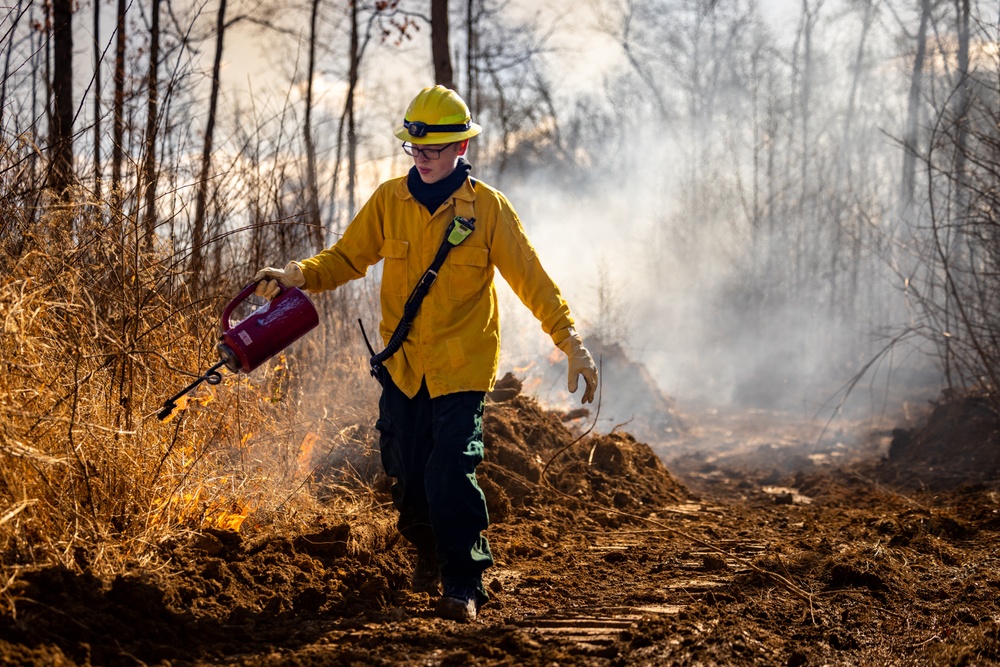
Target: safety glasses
(429,153)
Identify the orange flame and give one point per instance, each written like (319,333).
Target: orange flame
(227,521)
(305,450)
(179,405)
(531,385)
(525,368)
(207,398)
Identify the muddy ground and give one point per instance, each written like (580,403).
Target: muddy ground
(751,538)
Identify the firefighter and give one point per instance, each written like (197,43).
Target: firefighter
(434,386)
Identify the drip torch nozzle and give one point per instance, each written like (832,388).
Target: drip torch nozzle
(211,376)
(168,407)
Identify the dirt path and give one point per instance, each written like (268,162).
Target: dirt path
(725,565)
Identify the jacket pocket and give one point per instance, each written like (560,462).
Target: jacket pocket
(394,267)
(468,272)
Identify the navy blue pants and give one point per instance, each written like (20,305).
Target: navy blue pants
(431,447)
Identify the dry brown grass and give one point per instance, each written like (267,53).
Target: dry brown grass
(95,334)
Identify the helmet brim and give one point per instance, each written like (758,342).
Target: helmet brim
(438,137)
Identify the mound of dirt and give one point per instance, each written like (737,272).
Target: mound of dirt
(535,463)
(959,443)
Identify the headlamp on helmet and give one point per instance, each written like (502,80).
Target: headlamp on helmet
(419,129)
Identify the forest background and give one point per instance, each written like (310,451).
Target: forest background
(770,206)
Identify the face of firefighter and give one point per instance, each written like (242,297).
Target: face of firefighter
(433,169)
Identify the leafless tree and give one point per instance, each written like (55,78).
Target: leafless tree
(353,78)
(381,18)
(312,186)
(472,14)
(201,200)
(507,89)
(913,115)
(61,134)
(958,296)
(98,59)
(152,120)
(441,44)
(11,40)
(118,130)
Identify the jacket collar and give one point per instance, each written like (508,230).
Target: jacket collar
(465,192)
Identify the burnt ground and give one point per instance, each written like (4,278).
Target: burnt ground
(751,539)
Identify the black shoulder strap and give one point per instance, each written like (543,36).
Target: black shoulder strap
(460,228)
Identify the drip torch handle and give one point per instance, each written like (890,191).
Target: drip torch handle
(244,293)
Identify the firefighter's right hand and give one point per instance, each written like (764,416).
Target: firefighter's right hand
(267,279)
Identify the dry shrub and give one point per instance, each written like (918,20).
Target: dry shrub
(96,331)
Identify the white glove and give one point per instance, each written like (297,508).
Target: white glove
(580,363)
(267,279)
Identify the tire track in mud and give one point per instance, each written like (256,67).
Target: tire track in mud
(659,587)
(575,604)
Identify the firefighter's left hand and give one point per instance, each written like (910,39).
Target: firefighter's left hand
(580,363)
(267,279)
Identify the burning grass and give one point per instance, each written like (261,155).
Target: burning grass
(95,333)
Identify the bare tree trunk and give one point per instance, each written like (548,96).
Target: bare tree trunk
(97,100)
(962,101)
(908,184)
(46,43)
(843,166)
(6,64)
(471,55)
(118,131)
(347,119)
(352,134)
(36,55)
(800,252)
(805,98)
(471,65)
(955,213)
(149,167)
(440,50)
(61,132)
(198,229)
(316,229)
(654,86)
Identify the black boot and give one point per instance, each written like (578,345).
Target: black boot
(426,576)
(459,603)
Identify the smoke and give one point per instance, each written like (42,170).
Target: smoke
(701,301)
(727,216)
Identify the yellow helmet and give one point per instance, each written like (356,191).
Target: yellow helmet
(437,116)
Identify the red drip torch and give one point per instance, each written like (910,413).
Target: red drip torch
(253,340)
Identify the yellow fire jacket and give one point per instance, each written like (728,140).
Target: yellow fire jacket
(454,342)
